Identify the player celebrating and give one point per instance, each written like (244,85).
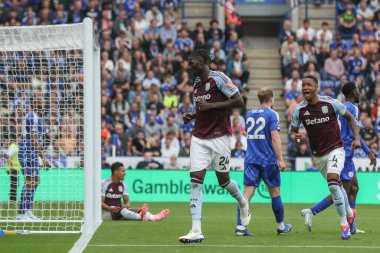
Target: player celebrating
(113,190)
(264,158)
(215,95)
(319,116)
(348,175)
(30,149)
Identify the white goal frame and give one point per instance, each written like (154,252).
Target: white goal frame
(88,42)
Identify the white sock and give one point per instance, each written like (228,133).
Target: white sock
(233,188)
(348,207)
(280,225)
(338,199)
(240,227)
(149,216)
(129,215)
(197,226)
(196,201)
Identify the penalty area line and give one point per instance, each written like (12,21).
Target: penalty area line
(236,246)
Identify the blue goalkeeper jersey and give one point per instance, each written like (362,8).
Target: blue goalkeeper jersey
(259,124)
(32,124)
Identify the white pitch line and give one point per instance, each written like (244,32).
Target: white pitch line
(237,246)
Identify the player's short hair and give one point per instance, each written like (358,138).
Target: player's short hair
(312,78)
(264,95)
(204,54)
(115,166)
(348,89)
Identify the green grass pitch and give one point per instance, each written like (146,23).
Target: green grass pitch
(218,227)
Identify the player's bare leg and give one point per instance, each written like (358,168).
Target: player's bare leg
(278,210)
(240,230)
(340,200)
(233,188)
(196,201)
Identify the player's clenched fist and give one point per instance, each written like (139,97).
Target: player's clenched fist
(188,117)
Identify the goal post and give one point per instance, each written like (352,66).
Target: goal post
(50,97)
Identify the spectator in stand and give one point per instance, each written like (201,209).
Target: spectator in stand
(322,56)
(120,140)
(182,40)
(214,26)
(173,164)
(292,94)
(325,35)
(238,71)
(76,14)
(306,29)
(105,165)
(295,77)
(231,42)
(133,115)
(306,55)
(364,13)
(167,31)
(312,71)
(231,13)
(150,80)
(170,126)
(238,136)
(334,67)
(170,98)
(185,149)
(152,128)
(139,144)
(303,150)
(356,64)
(286,31)
(154,14)
(151,33)
(154,145)
(285,47)
(171,15)
(366,32)
(238,151)
(167,150)
(217,50)
(120,105)
(347,22)
(149,162)
(368,133)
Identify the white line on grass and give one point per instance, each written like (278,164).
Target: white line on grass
(237,246)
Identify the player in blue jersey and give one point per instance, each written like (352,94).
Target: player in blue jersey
(263,160)
(30,149)
(348,175)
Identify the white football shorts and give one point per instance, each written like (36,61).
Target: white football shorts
(333,162)
(211,154)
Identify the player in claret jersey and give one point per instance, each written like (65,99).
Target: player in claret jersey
(319,114)
(114,189)
(215,95)
(348,175)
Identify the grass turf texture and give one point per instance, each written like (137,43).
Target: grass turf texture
(218,227)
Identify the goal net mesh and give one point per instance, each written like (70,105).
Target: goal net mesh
(41,82)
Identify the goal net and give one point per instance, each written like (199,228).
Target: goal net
(48,83)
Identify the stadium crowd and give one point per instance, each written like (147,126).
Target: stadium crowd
(352,54)
(146,86)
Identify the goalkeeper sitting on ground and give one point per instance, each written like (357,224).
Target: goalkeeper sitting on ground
(113,190)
